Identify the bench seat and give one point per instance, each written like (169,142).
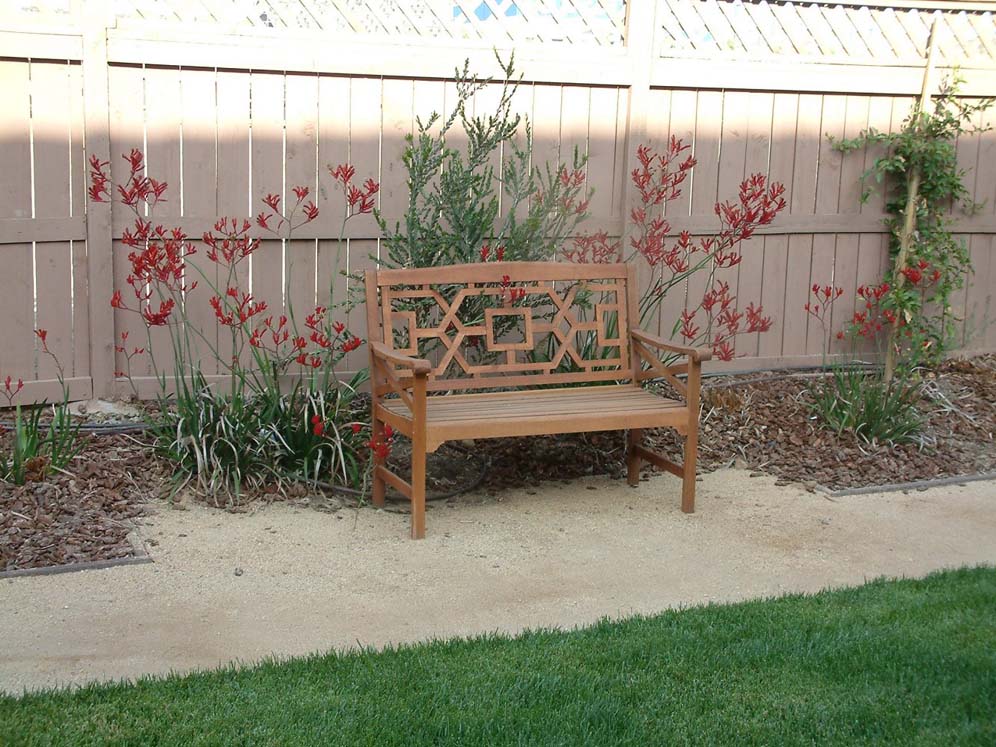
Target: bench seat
(536,412)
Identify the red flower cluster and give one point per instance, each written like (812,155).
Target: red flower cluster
(868,323)
(327,343)
(509,294)
(233,244)
(824,298)
(279,334)
(317,425)
(381,446)
(918,272)
(358,199)
(99,190)
(136,188)
(572,181)
(158,268)
(656,180)
(723,321)
(11,390)
(309,211)
(128,356)
(594,249)
(158,259)
(487,253)
(236,308)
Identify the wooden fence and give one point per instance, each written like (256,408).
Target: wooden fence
(227,115)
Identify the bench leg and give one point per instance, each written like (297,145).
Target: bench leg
(632,460)
(418,487)
(688,470)
(379,487)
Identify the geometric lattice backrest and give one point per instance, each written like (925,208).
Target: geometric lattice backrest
(507,324)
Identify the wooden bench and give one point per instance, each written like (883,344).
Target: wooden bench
(438,336)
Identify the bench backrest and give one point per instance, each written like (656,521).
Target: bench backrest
(508,324)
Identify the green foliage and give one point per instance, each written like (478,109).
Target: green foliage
(487,192)
(860,401)
(35,446)
(891,662)
(226,442)
(925,146)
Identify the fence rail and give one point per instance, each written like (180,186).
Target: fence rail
(227,117)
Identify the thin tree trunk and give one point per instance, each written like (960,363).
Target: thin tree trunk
(912,197)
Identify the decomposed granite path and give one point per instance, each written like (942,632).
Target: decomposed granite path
(559,555)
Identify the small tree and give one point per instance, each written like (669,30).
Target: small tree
(922,179)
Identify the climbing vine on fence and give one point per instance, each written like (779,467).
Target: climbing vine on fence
(927,261)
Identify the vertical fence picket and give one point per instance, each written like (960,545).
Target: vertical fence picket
(781,164)
(301,167)
(17,355)
(234,198)
(52,179)
(199,199)
(828,188)
(750,278)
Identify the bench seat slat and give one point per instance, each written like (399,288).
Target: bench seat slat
(535,412)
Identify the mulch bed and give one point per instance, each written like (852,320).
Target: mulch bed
(763,423)
(759,422)
(82,515)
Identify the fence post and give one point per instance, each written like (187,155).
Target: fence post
(641,34)
(99,237)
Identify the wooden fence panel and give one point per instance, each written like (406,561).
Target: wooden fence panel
(233,194)
(301,170)
(126,97)
(750,273)
(17,355)
(52,167)
(198,195)
(163,157)
(980,307)
(253,116)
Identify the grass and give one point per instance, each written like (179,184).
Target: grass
(891,662)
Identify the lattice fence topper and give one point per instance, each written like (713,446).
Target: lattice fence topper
(483,330)
(823,30)
(501,22)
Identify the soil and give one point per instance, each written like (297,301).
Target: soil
(82,514)
(758,422)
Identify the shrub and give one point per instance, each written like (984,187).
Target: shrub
(923,182)
(278,411)
(859,399)
(36,447)
(454,196)
(714,320)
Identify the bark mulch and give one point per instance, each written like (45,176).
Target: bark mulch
(759,422)
(82,515)
(764,423)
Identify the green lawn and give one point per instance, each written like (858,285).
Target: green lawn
(900,662)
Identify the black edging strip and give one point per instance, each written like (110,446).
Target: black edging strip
(140,557)
(92,565)
(915,485)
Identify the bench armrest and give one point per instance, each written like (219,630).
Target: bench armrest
(696,354)
(419,366)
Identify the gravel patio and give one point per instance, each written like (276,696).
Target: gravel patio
(285,580)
